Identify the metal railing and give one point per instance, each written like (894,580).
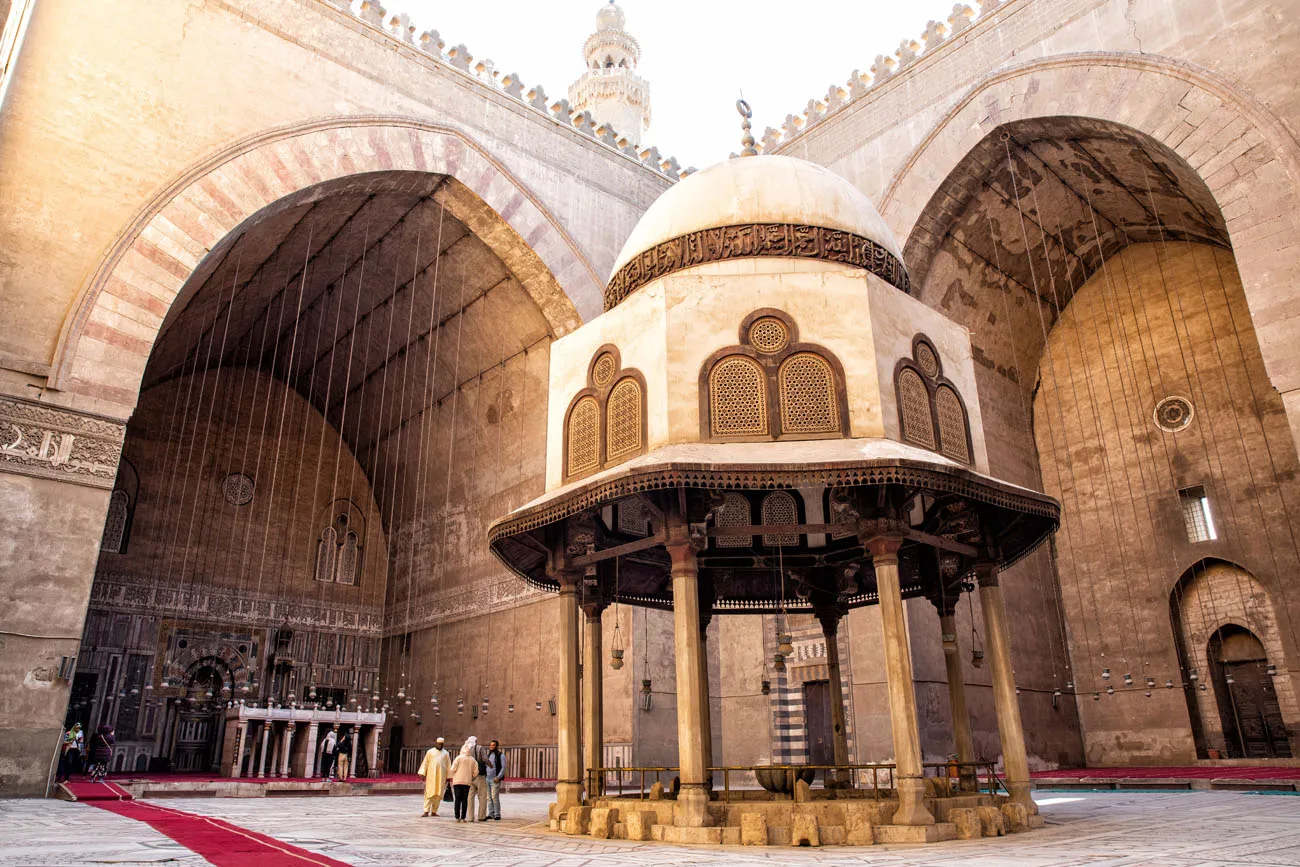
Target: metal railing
(618,781)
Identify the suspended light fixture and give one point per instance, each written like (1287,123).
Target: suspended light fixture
(311,693)
(766,687)
(1151,682)
(647,697)
(1069,684)
(1271,670)
(539,705)
(1193,675)
(778,662)
(1096,696)
(1105,674)
(1128,680)
(1110,690)
(460,706)
(1228,678)
(510,708)
(1148,693)
(977,658)
(1169,684)
(785,644)
(485,704)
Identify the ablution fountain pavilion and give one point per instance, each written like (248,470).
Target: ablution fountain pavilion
(764,421)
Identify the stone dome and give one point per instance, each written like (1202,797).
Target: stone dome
(610,17)
(760,189)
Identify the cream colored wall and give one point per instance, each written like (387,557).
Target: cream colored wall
(669,328)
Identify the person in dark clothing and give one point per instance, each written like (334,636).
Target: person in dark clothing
(343,762)
(496,776)
(101,752)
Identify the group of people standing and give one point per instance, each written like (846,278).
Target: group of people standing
(76,756)
(336,754)
(473,778)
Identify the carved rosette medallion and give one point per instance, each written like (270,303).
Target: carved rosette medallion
(54,443)
(752,240)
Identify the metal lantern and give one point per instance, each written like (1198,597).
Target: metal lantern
(785,644)
(1169,684)
(647,697)
(485,704)
(401,693)
(1105,674)
(977,658)
(1228,678)
(510,708)
(1096,696)
(1151,682)
(767,687)
(1271,670)
(1128,680)
(616,658)
(1110,690)
(1193,675)
(539,705)
(778,662)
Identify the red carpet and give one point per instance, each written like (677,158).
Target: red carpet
(1270,772)
(217,840)
(84,790)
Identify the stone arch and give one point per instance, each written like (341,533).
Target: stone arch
(1247,158)
(107,338)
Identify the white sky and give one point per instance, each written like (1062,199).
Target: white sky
(697,54)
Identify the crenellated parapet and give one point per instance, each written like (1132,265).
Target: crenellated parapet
(431,44)
(885,66)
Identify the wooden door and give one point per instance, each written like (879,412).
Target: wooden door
(1254,713)
(817,719)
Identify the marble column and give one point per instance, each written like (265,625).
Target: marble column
(356,745)
(998,649)
(372,750)
(830,621)
(568,786)
(286,753)
(693,800)
(276,743)
(266,738)
(593,713)
(961,734)
(241,745)
(902,690)
(706,704)
(313,733)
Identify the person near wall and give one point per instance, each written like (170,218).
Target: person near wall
(478,795)
(329,753)
(463,773)
(496,775)
(344,752)
(70,754)
(434,769)
(101,752)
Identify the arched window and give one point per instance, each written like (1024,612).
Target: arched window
(914,409)
(807,389)
(326,553)
(952,424)
(734,513)
(737,398)
(771,386)
(779,507)
(584,436)
(930,411)
(348,559)
(606,422)
(623,419)
(119,513)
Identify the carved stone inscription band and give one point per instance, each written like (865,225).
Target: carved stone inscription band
(53,443)
(750,240)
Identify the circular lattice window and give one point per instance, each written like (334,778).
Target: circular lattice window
(237,489)
(602,372)
(927,360)
(769,334)
(1173,414)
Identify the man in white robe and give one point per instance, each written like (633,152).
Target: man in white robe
(435,768)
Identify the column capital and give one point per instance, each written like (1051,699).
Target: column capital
(594,609)
(986,573)
(883,546)
(568,579)
(829,617)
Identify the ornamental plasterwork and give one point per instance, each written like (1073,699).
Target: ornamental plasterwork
(129,593)
(491,595)
(751,240)
(52,443)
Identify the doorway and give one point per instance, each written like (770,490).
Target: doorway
(817,718)
(1243,688)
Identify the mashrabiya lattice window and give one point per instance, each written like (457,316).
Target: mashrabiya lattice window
(806,385)
(584,436)
(623,419)
(779,507)
(119,510)
(737,397)
(952,424)
(734,513)
(914,409)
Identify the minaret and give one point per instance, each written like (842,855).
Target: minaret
(610,88)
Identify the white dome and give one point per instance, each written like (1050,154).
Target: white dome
(761,189)
(610,17)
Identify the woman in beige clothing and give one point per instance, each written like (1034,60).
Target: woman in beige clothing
(463,772)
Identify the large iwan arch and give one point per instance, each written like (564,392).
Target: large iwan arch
(107,338)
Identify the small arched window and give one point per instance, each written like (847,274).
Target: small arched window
(779,507)
(914,409)
(952,424)
(734,513)
(737,397)
(327,548)
(348,559)
(930,411)
(119,513)
(807,389)
(584,436)
(623,419)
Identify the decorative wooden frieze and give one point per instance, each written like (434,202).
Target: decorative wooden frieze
(54,443)
(750,240)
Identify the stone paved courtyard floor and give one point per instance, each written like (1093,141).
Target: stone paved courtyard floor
(1182,829)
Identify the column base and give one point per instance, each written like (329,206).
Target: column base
(1020,794)
(911,803)
(567,795)
(692,810)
